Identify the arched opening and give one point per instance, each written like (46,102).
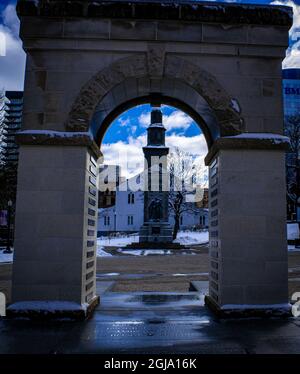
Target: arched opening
(130,82)
(122,136)
(99,129)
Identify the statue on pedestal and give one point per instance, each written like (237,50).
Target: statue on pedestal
(155,210)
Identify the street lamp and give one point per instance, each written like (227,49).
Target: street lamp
(9,205)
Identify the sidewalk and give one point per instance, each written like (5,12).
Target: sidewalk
(151,323)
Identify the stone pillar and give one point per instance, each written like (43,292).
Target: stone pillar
(248,246)
(55,237)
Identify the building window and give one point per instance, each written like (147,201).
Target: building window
(181,220)
(106,220)
(131,198)
(202,220)
(130,220)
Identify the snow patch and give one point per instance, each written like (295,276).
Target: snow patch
(275,138)
(5,257)
(52,133)
(235,105)
(292,231)
(293,248)
(117,241)
(154,252)
(192,237)
(101,252)
(50,306)
(134,252)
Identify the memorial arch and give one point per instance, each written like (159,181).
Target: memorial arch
(91,61)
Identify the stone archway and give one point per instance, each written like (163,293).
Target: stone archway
(153,66)
(82,70)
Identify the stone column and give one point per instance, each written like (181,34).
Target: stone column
(55,236)
(248,246)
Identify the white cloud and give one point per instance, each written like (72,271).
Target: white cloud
(292,59)
(144,119)
(176,120)
(11,20)
(12,62)
(129,155)
(123,122)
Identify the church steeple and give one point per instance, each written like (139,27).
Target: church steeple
(156,227)
(156,130)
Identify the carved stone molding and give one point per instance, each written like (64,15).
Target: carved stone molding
(151,66)
(156,59)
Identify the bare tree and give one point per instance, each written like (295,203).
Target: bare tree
(292,130)
(185,189)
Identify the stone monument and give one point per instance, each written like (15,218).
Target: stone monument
(156,228)
(87,62)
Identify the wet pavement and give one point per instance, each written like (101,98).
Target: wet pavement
(151,323)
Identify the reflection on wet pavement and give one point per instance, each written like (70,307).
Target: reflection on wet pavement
(151,322)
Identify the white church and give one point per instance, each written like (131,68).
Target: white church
(127,215)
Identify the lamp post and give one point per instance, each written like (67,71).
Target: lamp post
(8,249)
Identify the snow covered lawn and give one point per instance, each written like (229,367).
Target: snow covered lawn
(293,248)
(292,231)
(120,241)
(101,252)
(192,237)
(183,237)
(5,257)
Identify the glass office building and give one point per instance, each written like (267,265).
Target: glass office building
(291,100)
(291,91)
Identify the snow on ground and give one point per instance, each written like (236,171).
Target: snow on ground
(154,252)
(134,252)
(48,306)
(144,252)
(101,252)
(5,257)
(119,241)
(293,248)
(183,237)
(292,231)
(192,237)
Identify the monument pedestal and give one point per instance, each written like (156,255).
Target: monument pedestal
(157,232)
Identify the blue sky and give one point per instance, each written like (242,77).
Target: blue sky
(127,134)
(175,121)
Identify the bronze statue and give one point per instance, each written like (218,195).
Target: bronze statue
(155,210)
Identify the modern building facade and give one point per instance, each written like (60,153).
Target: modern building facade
(11,124)
(291,91)
(291,98)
